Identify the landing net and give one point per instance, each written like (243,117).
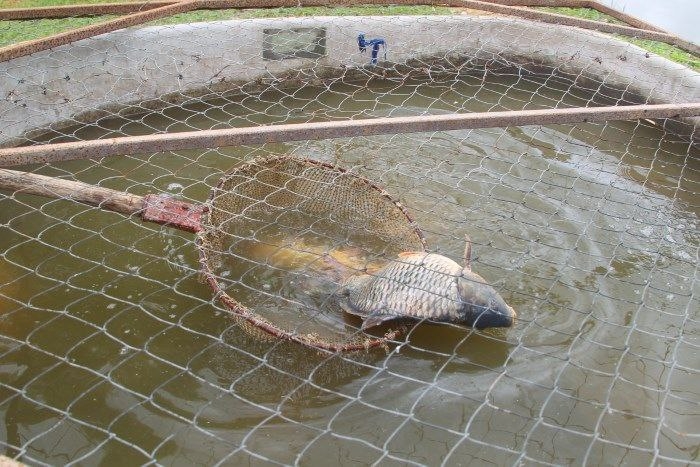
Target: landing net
(299,228)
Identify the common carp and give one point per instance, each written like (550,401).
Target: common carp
(310,256)
(425,286)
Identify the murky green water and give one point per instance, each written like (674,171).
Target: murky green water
(114,351)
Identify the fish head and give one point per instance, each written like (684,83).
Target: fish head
(480,305)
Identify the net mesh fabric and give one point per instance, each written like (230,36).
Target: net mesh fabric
(113,349)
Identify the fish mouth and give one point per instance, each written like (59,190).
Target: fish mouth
(495,319)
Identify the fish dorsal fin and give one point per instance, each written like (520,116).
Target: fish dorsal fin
(410,254)
(468,254)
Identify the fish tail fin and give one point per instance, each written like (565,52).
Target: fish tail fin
(334,269)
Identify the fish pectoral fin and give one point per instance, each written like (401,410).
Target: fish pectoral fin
(348,308)
(375,320)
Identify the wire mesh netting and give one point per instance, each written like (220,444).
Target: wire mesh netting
(113,349)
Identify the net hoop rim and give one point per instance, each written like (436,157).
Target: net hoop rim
(241,311)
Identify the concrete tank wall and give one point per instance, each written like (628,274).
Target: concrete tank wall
(141,64)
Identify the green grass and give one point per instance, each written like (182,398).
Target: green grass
(659,48)
(583,13)
(667,51)
(12,32)
(364,10)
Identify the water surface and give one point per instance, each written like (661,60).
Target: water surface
(114,351)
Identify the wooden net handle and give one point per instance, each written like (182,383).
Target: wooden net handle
(51,187)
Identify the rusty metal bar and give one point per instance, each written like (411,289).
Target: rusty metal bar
(624,17)
(582,23)
(29,47)
(592,4)
(70,11)
(326,130)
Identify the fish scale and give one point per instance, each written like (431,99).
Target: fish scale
(419,285)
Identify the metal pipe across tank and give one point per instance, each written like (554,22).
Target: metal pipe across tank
(96,149)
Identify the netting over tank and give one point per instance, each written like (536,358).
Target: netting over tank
(113,348)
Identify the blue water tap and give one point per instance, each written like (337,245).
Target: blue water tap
(363,43)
